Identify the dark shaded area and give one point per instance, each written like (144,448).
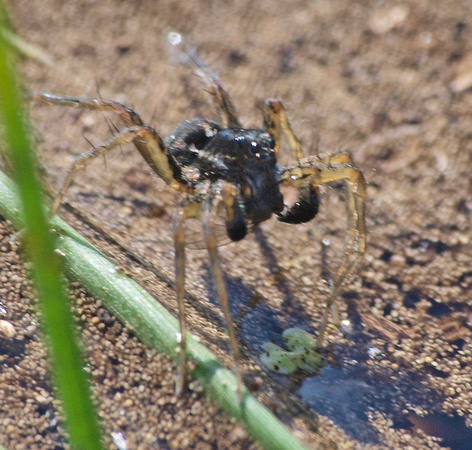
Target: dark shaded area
(257,322)
(13,349)
(294,312)
(412,297)
(439,309)
(451,429)
(346,394)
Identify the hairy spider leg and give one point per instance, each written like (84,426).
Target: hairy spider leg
(151,147)
(341,165)
(209,208)
(129,117)
(276,122)
(223,104)
(179,242)
(323,170)
(221,99)
(83,160)
(191,208)
(147,141)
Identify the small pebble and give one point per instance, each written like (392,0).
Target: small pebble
(7,329)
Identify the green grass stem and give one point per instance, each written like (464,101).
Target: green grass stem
(68,373)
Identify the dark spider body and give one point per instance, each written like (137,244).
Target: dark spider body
(230,170)
(245,158)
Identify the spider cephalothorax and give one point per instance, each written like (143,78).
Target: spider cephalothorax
(231,169)
(243,158)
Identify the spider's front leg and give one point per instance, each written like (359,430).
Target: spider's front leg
(276,123)
(145,139)
(83,160)
(313,172)
(209,211)
(223,103)
(179,242)
(194,206)
(221,99)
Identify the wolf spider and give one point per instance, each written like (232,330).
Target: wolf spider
(226,168)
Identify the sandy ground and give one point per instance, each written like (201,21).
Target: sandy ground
(389,81)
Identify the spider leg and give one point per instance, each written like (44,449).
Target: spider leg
(179,241)
(147,141)
(221,289)
(129,117)
(221,98)
(224,105)
(147,134)
(276,122)
(318,171)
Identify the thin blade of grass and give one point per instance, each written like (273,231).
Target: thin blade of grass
(68,373)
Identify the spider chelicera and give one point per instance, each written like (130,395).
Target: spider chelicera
(224,167)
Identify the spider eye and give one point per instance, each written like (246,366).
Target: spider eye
(256,149)
(262,148)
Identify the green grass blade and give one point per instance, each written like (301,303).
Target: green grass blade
(68,373)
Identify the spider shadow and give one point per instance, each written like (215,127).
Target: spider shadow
(296,313)
(256,320)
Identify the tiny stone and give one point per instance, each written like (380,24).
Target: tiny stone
(398,261)
(94,320)
(307,281)
(41,399)
(30,330)
(7,329)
